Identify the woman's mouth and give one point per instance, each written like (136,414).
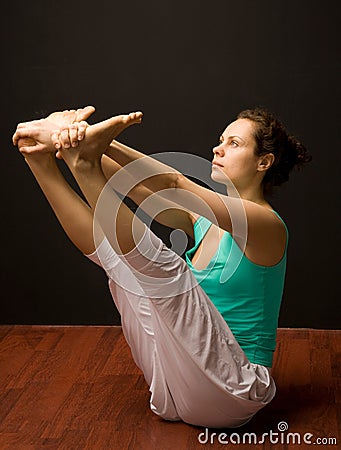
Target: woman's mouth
(215,164)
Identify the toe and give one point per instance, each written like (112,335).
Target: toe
(135,116)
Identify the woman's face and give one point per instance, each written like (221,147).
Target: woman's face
(234,156)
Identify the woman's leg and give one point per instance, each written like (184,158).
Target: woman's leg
(137,325)
(76,218)
(195,368)
(85,163)
(73,213)
(115,218)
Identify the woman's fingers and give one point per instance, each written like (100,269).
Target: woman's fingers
(21,133)
(69,136)
(64,137)
(82,126)
(29,149)
(55,139)
(15,138)
(73,135)
(17,135)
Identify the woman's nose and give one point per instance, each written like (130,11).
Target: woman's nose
(218,150)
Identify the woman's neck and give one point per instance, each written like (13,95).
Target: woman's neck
(254,195)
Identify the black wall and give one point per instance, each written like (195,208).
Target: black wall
(190,66)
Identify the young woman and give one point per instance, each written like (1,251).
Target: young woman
(201,328)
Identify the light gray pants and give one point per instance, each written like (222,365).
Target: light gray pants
(194,366)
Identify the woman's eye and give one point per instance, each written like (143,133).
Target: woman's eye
(234,143)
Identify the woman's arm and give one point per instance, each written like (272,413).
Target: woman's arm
(226,211)
(153,174)
(192,197)
(230,213)
(160,208)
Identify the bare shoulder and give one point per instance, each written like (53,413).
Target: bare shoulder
(266,236)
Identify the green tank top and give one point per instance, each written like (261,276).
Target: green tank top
(247,295)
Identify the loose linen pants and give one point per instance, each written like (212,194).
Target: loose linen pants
(195,369)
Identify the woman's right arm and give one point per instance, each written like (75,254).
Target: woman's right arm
(161,209)
(156,175)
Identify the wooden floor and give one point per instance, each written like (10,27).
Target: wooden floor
(78,388)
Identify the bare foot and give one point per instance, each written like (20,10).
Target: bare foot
(99,136)
(63,118)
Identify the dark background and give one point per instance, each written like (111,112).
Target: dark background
(190,66)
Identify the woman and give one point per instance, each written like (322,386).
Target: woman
(203,330)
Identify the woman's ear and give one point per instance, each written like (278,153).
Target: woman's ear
(266,162)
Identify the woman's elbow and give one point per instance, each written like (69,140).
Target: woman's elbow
(177,180)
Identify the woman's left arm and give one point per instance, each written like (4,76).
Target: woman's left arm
(226,211)
(230,213)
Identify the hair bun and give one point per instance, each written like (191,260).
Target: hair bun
(301,153)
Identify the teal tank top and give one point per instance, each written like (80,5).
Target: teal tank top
(247,295)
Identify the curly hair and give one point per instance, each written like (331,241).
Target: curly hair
(271,137)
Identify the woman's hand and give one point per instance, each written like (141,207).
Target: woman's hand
(34,137)
(68,136)
(41,136)
(27,132)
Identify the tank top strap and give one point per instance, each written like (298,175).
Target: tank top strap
(286,228)
(201,226)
